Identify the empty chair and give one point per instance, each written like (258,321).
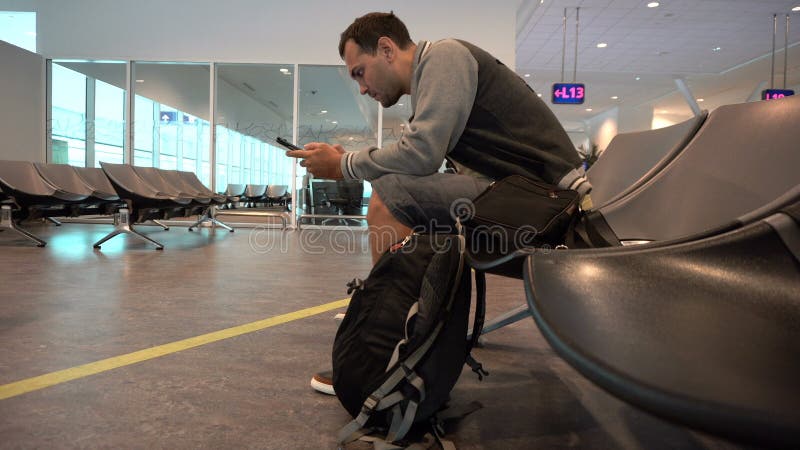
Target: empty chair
(96,179)
(704,333)
(276,193)
(155,177)
(254,193)
(742,158)
(31,196)
(189,183)
(67,178)
(143,202)
(633,158)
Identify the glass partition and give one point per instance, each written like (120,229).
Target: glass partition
(332,110)
(88,112)
(254,106)
(171,109)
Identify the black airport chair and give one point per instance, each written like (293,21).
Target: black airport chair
(67,178)
(633,158)
(29,196)
(253,193)
(742,158)
(96,179)
(704,333)
(143,201)
(185,181)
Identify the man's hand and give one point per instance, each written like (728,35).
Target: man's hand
(322,160)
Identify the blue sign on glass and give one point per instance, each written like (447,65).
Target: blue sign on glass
(772,94)
(168,117)
(568,93)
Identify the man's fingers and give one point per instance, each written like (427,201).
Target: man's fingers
(298,153)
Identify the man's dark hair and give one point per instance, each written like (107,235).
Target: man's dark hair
(367,29)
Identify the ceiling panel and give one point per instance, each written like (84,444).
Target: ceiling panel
(679,38)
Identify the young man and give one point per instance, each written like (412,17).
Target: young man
(466,106)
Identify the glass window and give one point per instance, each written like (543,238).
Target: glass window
(255,104)
(88,112)
(171,117)
(333,110)
(68,116)
(19,28)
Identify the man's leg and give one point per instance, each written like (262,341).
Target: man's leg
(384,229)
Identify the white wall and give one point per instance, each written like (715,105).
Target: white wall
(303,31)
(603,127)
(22,104)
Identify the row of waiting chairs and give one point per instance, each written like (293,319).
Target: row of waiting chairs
(253,194)
(133,194)
(700,322)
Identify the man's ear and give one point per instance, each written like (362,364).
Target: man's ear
(386,48)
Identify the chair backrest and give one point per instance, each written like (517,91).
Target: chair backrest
(191,179)
(177,179)
(22,176)
(235,190)
(64,177)
(745,156)
(124,178)
(276,190)
(633,158)
(155,178)
(96,179)
(255,190)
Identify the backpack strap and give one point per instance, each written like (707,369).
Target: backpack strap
(477,323)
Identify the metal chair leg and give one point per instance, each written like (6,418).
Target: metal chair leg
(159,223)
(515,315)
(53,220)
(122,226)
(7,223)
(210,215)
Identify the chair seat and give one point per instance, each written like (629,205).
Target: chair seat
(704,333)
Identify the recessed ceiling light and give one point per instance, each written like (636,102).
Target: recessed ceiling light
(796,8)
(140,81)
(399,104)
(638,78)
(614,97)
(527,75)
(334,122)
(324,111)
(602,45)
(701,99)
(539,95)
(653,4)
(284,70)
(716,49)
(589,109)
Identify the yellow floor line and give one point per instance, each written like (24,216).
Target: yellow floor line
(62,376)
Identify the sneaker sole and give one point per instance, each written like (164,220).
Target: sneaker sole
(322,387)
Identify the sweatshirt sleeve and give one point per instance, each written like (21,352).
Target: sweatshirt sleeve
(444,87)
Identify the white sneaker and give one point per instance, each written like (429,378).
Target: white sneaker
(323,382)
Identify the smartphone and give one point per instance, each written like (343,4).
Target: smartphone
(287,144)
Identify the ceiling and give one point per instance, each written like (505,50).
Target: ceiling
(721,48)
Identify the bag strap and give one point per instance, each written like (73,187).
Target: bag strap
(477,323)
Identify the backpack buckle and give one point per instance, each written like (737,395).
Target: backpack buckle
(369,405)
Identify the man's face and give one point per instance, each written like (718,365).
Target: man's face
(374,74)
